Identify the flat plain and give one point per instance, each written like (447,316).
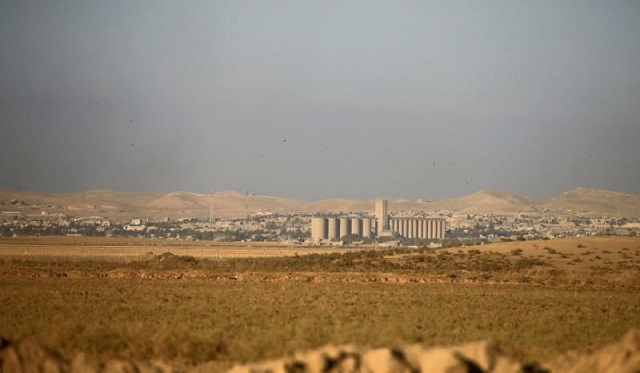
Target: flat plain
(537,299)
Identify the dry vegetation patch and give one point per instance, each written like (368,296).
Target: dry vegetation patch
(193,321)
(189,310)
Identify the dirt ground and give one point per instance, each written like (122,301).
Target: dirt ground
(575,254)
(113,298)
(101,248)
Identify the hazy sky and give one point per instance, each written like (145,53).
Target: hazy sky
(317,99)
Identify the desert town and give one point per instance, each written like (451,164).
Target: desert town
(20,217)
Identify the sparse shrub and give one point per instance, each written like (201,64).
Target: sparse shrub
(556,272)
(525,263)
(516,251)
(581,246)
(170,260)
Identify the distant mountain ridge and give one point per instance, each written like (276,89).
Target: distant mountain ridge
(122,205)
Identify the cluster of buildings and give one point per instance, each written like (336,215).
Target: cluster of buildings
(383,225)
(21,218)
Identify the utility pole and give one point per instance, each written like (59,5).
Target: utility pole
(246,205)
(211,209)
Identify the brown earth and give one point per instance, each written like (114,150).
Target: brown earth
(586,281)
(122,250)
(602,261)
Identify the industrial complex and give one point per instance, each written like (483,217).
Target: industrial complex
(383,225)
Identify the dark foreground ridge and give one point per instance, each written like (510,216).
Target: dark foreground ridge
(28,355)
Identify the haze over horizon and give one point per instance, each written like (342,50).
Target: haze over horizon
(312,100)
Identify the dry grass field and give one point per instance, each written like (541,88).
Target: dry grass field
(536,298)
(100,248)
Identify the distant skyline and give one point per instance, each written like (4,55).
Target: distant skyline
(320,99)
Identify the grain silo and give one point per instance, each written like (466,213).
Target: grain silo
(404,227)
(333,230)
(440,229)
(345,227)
(318,228)
(356,227)
(366,227)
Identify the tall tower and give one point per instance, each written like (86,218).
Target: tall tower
(382,215)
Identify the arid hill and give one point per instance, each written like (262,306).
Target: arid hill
(121,205)
(595,201)
(488,201)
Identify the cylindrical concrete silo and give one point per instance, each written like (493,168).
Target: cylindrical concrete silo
(333,230)
(441,228)
(430,229)
(356,227)
(318,228)
(366,227)
(414,226)
(345,227)
(434,225)
(405,228)
(421,228)
(394,225)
